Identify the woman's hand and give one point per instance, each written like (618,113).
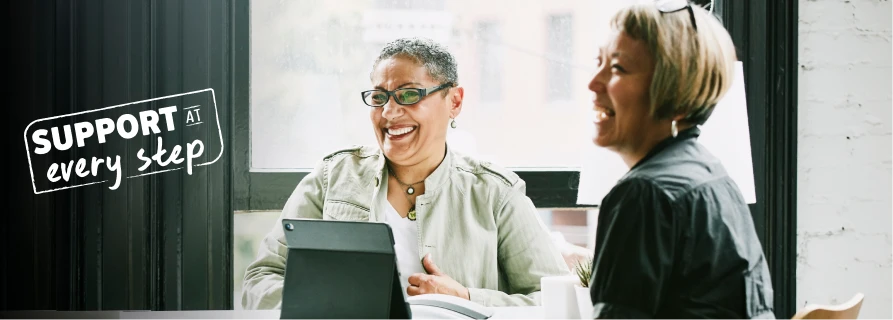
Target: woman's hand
(434,282)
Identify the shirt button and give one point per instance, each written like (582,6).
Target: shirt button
(376,182)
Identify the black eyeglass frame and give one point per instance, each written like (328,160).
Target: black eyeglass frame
(423,92)
(691,12)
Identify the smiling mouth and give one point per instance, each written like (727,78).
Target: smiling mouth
(399,131)
(603,113)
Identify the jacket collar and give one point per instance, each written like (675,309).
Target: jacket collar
(441,175)
(434,181)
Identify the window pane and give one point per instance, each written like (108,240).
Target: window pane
(490,61)
(517,61)
(559,45)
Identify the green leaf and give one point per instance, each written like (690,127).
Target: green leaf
(583,269)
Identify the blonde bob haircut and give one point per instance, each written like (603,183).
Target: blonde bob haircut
(693,68)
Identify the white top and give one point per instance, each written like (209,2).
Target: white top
(406,240)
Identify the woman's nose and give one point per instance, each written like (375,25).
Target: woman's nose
(390,109)
(597,84)
(594,84)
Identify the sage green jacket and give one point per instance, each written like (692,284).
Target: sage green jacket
(474,218)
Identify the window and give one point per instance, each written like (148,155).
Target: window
(559,45)
(489,59)
(305,75)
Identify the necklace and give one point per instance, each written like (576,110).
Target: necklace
(409,191)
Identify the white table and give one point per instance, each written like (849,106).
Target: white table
(499,313)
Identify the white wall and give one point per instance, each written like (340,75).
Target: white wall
(844,154)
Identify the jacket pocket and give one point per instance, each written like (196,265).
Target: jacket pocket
(758,287)
(344,210)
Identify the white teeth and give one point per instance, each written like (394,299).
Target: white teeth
(401,131)
(600,114)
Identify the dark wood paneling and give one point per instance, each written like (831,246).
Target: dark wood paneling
(169,41)
(116,205)
(160,242)
(68,224)
(241,111)
(219,199)
(87,46)
(194,212)
(28,277)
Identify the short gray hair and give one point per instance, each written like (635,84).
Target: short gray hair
(439,62)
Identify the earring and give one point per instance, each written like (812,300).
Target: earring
(673,128)
(453,123)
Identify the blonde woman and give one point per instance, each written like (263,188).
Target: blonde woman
(675,238)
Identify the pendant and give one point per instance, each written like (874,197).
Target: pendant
(410,190)
(411,214)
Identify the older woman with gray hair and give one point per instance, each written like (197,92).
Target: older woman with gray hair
(675,238)
(461,226)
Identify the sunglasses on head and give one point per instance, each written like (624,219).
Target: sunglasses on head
(670,6)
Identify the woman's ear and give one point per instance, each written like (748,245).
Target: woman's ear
(455,97)
(678,118)
(681,124)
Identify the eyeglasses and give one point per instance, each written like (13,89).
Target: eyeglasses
(670,6)
(403,96)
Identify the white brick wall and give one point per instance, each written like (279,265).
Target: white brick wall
(844,154)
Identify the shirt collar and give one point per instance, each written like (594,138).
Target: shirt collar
(690,133)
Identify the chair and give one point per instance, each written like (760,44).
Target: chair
(846,310)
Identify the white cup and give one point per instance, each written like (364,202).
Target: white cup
(559,299)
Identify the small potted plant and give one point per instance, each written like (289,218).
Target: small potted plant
(583,269)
